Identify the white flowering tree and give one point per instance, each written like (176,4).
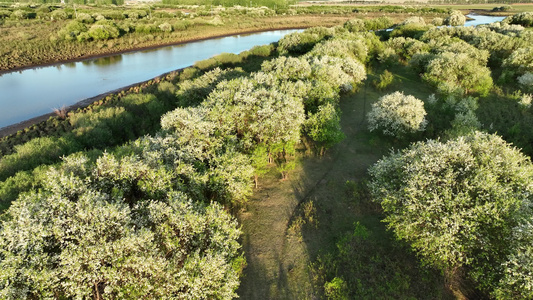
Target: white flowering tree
(456,18)
(254,113)
(457,73)
(343,73)
(116,230)
(517,279)
(397,114)
(194,91)
(458,202)
(285,68)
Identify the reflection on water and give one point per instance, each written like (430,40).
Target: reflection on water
(103,61)
(34,92)
(29,93)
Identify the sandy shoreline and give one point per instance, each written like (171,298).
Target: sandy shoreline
(14,128)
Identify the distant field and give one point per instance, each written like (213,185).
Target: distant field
(517,7)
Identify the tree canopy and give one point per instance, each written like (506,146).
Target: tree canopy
(457,202)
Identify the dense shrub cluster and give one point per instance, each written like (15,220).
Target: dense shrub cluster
(138,219)
(116,229)
(462,204)
(525,19)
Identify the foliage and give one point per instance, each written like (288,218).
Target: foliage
(93,233)
(345,46)
(457,202)
(385,80)
(336,289)
(324,127)
(414,20)
(103,30)
(355,25)
(526,81)
(397,114)
(454,73)
(342,73)
(44,150)
(456,18)
(524,18)
(285,68)
(103,126)
(368,264)
(72,31)
(412,30)
(518,63)
(301,42)
(193,92)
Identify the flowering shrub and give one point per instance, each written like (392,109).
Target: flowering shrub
(115,230)
(457,203)
(406,47)
(519,62)
(524,18)
(397,114)
(298,42)
(456,18)
(285,68)
(194,91)
(342,48)
(342,73)
(526,100)
(414,20)
(355,25)
(457,73)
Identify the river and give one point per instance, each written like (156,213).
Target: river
(34,92)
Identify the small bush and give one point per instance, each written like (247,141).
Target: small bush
(385,80)
(206,64)
(456,18)
(104,30)
(397,114)
(59,14)
(263,51)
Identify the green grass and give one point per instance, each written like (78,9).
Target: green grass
(282,239)
(516,7)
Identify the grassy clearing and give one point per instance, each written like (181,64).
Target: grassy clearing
(293,229)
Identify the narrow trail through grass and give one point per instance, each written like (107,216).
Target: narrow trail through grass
(288,224)
(277,255)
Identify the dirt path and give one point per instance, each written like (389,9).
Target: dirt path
(278,247)
(289,224)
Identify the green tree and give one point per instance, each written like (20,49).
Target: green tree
(457,202)
(116,229)
(397,114)
(457,73)
(324,127)
(104,30)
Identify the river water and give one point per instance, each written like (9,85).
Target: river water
(480,20)
(34,92)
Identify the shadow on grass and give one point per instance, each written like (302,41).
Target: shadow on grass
(320,224)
